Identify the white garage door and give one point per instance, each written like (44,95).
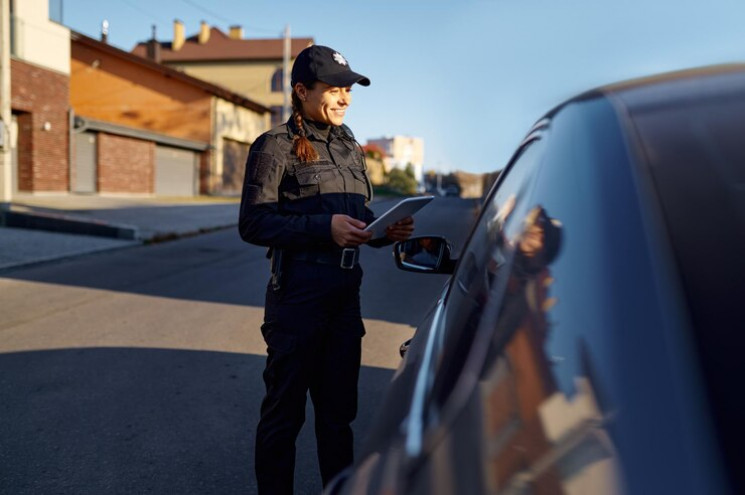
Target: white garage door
(175,172)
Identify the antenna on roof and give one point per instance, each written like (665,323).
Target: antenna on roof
(153,36)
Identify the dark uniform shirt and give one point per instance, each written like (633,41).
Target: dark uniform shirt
(288,204)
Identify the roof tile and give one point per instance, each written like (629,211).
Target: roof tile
(221,47)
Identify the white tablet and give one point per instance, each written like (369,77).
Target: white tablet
(401,210)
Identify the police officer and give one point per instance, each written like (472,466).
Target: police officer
(305,196)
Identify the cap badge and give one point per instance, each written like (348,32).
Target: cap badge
(339,59)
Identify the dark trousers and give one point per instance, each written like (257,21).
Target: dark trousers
(313,330)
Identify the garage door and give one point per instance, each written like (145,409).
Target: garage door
(85,163)
(234,155)
(175,172)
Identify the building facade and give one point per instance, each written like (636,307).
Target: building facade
(40,75)
(144,128)
(251,67)
(402,151)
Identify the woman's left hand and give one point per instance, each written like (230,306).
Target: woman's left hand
(401,230)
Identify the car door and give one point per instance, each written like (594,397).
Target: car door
(435,461)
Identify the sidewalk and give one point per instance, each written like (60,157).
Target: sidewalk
(68,225)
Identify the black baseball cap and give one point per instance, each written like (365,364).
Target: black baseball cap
(321,63)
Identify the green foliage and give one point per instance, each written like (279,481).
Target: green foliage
(410,171)
(402,181)
(385,191)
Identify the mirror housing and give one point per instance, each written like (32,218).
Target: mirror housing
(424,254)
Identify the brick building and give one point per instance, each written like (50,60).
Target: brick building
(144,128)
(40,74)
(88,117)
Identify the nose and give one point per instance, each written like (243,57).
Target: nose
(345,97)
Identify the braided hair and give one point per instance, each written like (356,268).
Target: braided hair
(301,145)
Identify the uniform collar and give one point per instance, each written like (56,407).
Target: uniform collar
(313,130)
(318,131)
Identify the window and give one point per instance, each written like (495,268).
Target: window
(483,263)
(278,81)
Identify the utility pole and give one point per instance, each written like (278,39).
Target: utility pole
(286,76)
(6,177)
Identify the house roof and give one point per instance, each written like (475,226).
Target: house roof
(220,46)
(208,87)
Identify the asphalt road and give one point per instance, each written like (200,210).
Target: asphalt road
(139,370)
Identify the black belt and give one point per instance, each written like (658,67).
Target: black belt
(347,258)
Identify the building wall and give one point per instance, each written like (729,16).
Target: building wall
(206,181)
(125,165)
(39,98)
(104,87)
(403,150)
(38,40)
(251,79)
(375,171)
(237,125)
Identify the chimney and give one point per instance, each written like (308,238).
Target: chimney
(178,35)
(236,32)
(105,31)
(153,48)
(204,33)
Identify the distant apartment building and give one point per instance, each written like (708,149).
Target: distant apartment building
(251,67)
(402,151)
(40,88)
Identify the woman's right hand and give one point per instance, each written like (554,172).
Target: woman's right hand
(347,231)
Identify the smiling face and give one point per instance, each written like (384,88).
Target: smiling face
(324,103)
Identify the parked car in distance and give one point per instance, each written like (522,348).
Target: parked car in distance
(591,336)
(451,190)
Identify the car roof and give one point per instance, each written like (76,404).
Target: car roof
(668,88)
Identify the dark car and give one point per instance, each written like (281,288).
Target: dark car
(591,338)
(451,190)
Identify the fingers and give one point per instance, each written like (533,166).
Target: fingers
(357,223)
(347,231)
(401,230)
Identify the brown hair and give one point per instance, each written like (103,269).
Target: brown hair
(301,145)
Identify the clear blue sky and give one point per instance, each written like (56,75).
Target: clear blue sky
(468,76)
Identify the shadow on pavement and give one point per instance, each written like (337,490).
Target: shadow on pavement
(219,267)
(126,420)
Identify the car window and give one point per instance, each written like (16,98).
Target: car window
(488,249)
(543,406)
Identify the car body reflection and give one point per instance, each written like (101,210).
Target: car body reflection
(589,339)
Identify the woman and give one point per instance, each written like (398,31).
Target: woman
(305,196)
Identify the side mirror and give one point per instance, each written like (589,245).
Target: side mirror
(425,254)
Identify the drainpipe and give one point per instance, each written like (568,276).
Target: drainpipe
(6,178)
(286,75)
(70,144)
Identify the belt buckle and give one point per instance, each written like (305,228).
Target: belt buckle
(348,258)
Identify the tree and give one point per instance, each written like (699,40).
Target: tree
(373,151)
(402,181)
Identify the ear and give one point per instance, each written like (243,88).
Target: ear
(301,91)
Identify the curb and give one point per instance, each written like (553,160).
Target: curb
(65,224)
